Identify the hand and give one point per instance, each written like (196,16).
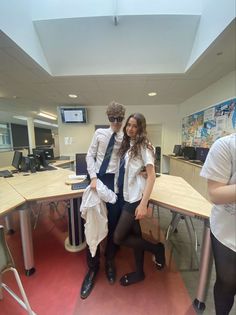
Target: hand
(93,183)
(141,211)
(144,174)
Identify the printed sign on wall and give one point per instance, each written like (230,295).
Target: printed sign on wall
(201,129)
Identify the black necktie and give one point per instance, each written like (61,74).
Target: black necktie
(107,155)
(121,172)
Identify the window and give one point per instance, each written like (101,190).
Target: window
(5,137)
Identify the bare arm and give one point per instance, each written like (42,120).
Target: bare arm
(220,193)
(141,210)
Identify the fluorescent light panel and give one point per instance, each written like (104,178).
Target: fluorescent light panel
(37,121)
(20,117)
(45,115)
(45,123)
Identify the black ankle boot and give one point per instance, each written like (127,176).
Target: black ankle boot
(88,283)
(110,271)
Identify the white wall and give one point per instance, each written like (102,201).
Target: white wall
(221,90)
(7,156)
(79,136)
(45,9)
(169,116)
(216,16)
(16,23)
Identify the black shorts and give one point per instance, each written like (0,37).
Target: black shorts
(130,207)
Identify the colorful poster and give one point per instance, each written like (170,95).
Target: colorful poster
(201,129)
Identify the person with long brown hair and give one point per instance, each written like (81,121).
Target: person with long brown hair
(136,154)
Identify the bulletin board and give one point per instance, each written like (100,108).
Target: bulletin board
(201,129)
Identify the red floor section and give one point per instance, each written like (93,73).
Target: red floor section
(55,287)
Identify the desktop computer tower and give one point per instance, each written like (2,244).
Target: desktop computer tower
(28,163)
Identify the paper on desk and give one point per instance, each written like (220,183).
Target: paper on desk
(73,176)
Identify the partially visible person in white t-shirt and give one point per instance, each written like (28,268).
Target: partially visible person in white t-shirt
(220,171)
(136,154)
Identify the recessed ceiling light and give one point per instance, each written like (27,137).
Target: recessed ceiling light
(152,94)
(72,95)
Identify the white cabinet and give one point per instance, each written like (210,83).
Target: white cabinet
(190,172)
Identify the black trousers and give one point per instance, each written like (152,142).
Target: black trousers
(225,285)
(113,216)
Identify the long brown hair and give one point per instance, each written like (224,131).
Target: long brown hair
(141,137)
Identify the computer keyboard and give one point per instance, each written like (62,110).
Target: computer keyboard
(81,185)
(5,173)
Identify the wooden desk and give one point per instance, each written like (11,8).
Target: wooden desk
(189,171)
(45,186)
(176,194)
(10,198)
(169,191)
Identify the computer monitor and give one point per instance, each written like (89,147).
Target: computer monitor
(201,153)
(80,164)
(189,153)
(49,154)
(16,161)
(177,150)
(40,155)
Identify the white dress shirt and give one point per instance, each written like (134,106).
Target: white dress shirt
(220,166)
(93,210)
(134,183)
(97,151)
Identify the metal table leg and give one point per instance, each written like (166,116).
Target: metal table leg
(76,240)
(205,269)
(26,239)
(9,224)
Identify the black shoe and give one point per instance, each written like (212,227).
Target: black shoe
(160,259)
(131,278)
(110,271)
(88,284)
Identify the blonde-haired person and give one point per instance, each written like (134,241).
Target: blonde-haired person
(220,171)
(136,153)
(103,163)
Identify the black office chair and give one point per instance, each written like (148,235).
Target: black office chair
(7,264)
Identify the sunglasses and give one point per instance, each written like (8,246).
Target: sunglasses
(117,119)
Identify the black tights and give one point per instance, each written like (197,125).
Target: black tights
(225,285)
(128,233)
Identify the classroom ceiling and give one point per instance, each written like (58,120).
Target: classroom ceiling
(82,63)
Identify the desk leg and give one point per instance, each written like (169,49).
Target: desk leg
(205,269)
(26,239)
(9,224)
(76,240)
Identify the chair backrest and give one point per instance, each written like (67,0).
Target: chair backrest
(80,164)
(6,260)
